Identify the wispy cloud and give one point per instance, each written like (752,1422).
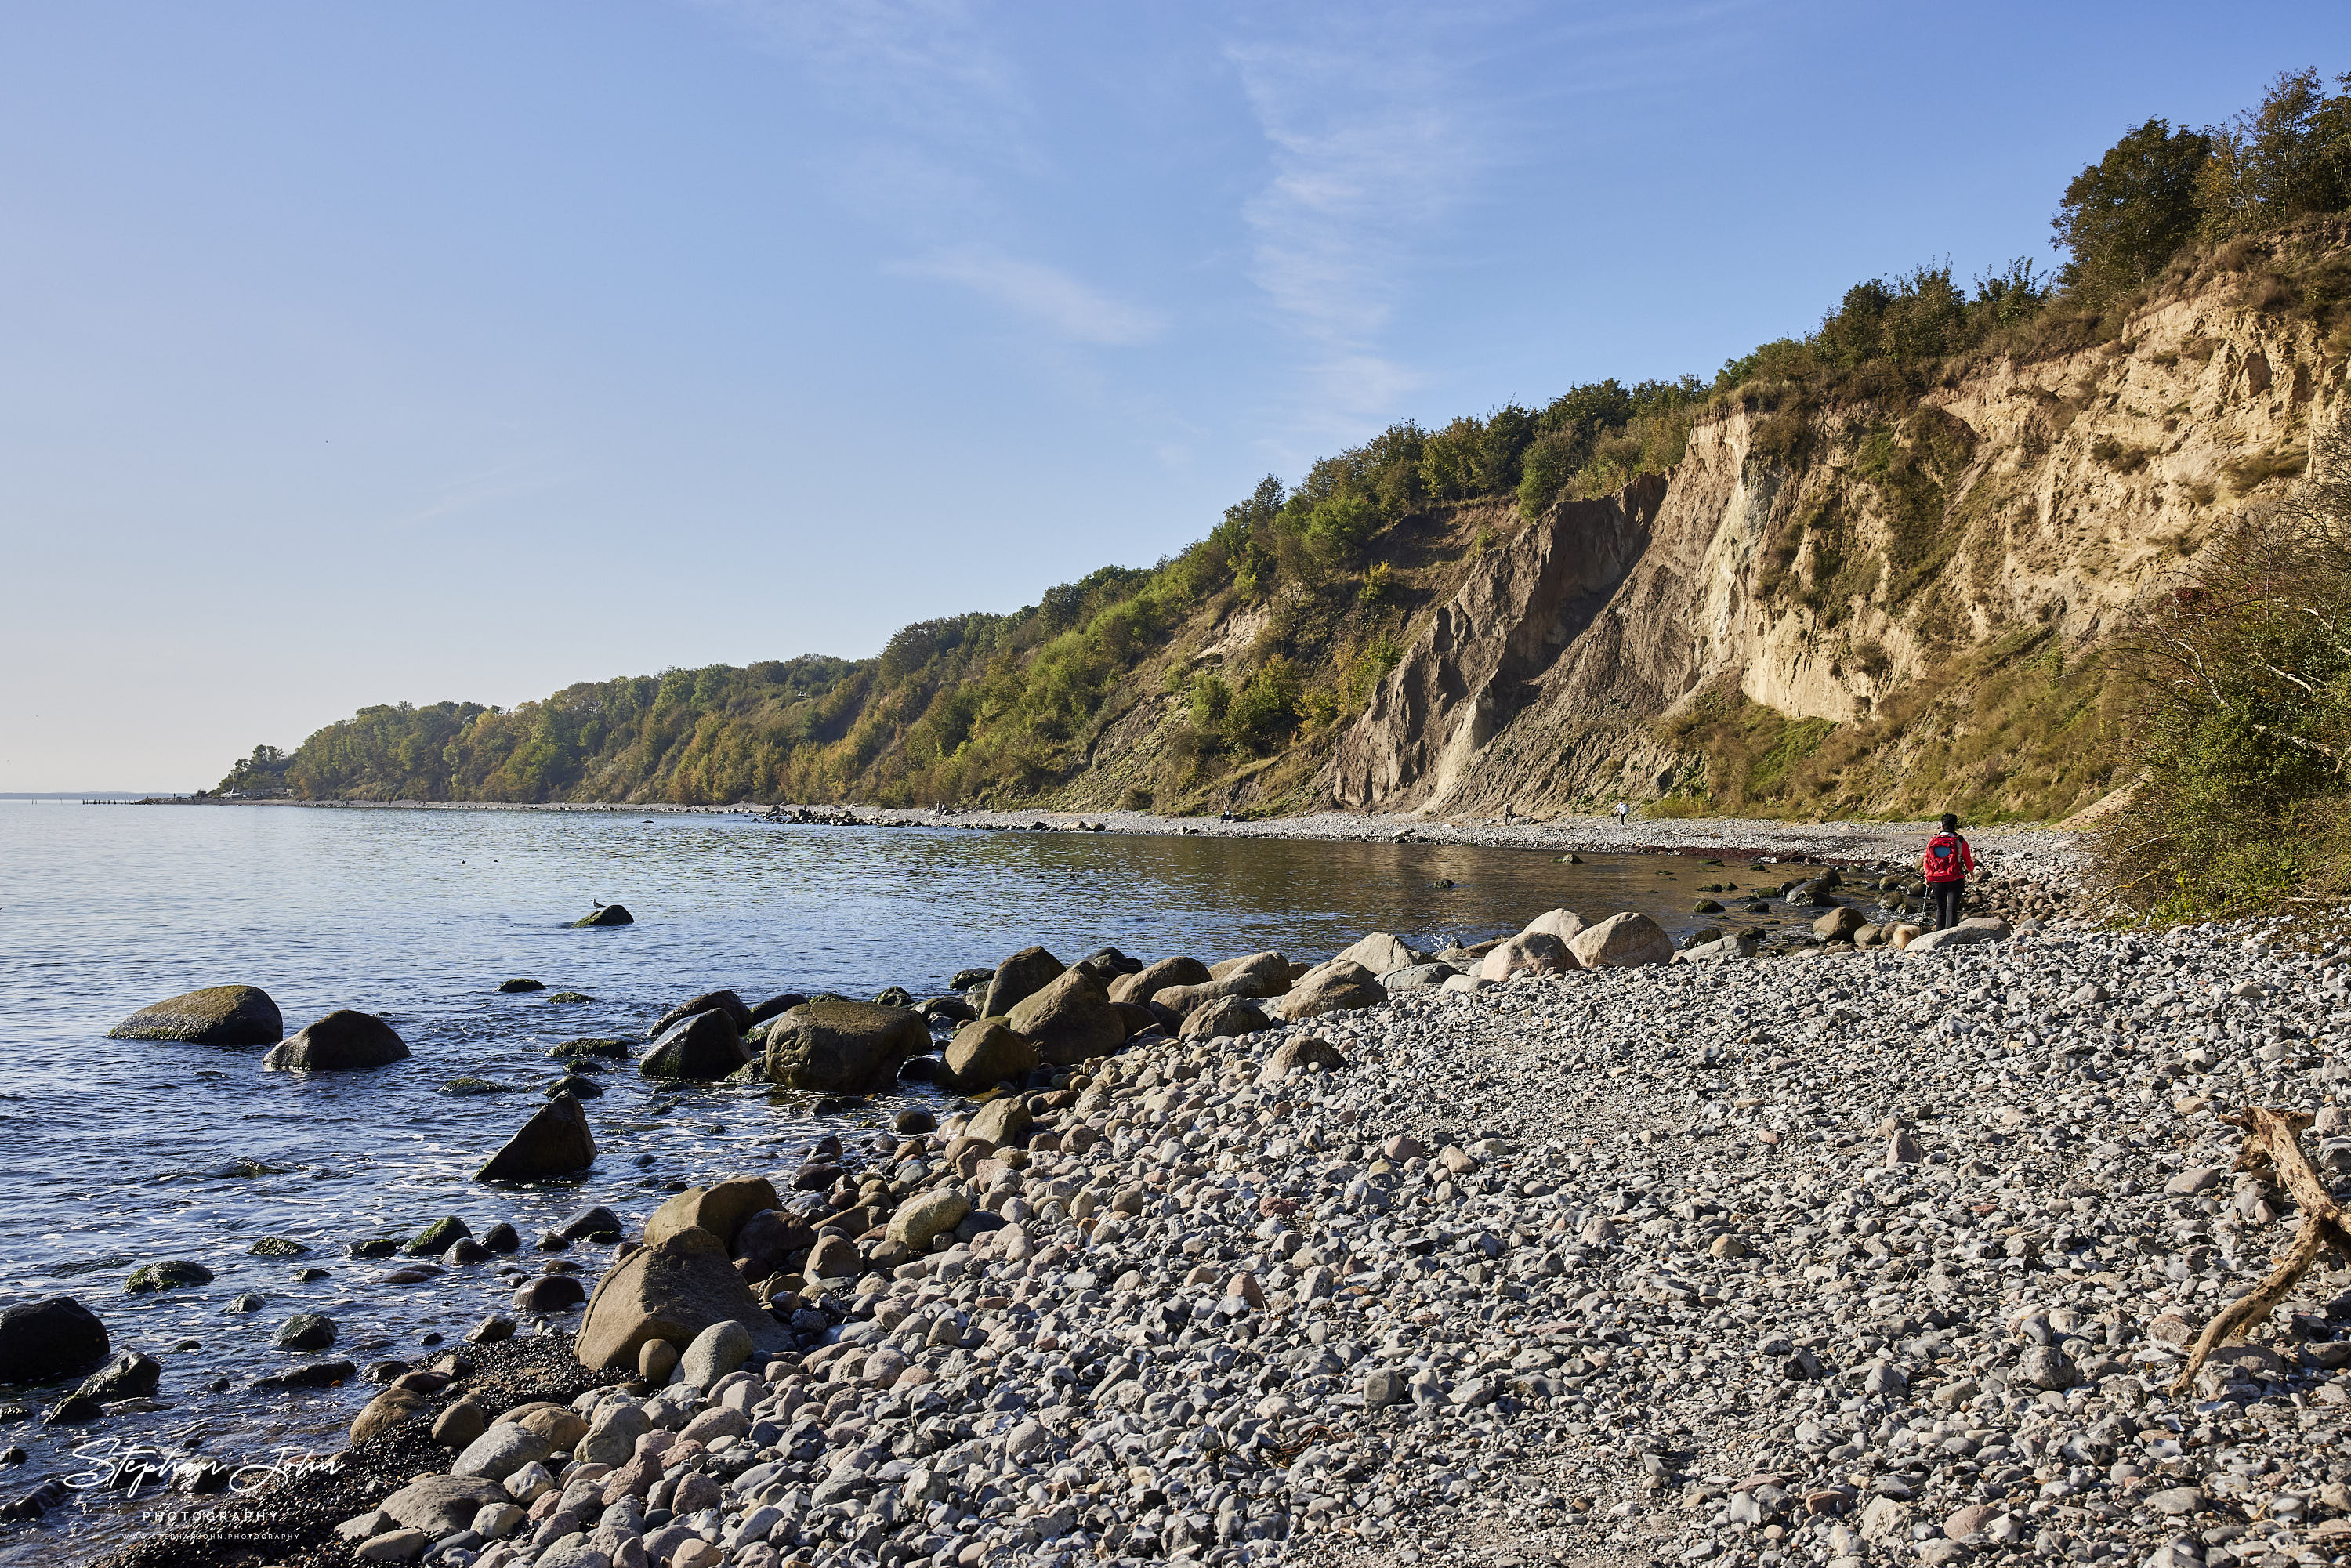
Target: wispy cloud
(1371,146)
(1046,295)
(929,69)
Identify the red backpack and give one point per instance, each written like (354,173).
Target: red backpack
(1947,858)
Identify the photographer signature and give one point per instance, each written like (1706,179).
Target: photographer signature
(129,1465)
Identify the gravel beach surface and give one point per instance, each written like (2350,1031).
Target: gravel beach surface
(1855,1258)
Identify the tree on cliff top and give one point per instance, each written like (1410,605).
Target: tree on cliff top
(2126,214)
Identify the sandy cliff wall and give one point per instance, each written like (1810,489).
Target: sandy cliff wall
(1822,560)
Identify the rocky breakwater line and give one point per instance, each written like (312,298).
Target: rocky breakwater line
(1874,1257)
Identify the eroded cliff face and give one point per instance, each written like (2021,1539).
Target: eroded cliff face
(1823,561)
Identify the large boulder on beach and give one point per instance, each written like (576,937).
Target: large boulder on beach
(555,1141)
(1271,972)
(442,1505)
(1304,1054)
(854,1047)
(1979,928)
(1624,941)
(1070,1019)
(1383,954)
(1221,1018)
(670,1289)
(719,1209)
(1339,986)
(387,1410)
(1564,924)
(217,1015)
(924,1216)
(1017,979)
(1537,952)
(342,1042)
(703,1048)
(1152,979)
(766,1241)
(726,1002)
(44,1341)
(986,1052)
(1173,1004)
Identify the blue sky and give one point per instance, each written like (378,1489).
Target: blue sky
(353,353)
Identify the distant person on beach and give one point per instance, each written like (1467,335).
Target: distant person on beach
(1947,863)
(1623,813)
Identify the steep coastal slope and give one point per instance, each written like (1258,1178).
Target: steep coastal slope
(1854,564)
(1863,586)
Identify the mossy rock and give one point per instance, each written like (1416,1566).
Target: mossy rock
(518,985)
(306,1332)
(578,1087)
(1706,906)
(571,996)
(438,1237)
(611,914)
(467,1087)
(171,1274)
(374,1247)
(217,1015)
(573,1050)
(278,1246)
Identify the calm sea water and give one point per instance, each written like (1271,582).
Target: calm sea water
(112,1151)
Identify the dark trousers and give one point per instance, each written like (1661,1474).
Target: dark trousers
(1943,903)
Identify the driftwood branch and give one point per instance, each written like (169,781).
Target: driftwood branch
(2273,1151)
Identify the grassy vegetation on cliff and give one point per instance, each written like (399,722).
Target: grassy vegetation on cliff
(1333,570)
(2239,682)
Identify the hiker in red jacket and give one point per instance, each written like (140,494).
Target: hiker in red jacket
(1947,863)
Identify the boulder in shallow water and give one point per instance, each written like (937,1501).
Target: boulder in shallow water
(1152,979)
(610,915)
(776,1006)
(342,1042)
(438,1237)
(130,1376)
(518,986)
(671,1289)
(217,1015)
(43,1341)
(726,1002)
(1070,1019)
(853,1047)
(555,1141)
(171,1274)
(984,1052)
(549,1294)
(704,1048)
(306,1332)
(1017,979)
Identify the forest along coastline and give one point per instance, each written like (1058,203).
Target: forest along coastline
(1581,1260)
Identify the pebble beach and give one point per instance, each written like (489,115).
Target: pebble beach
(1850,1258)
